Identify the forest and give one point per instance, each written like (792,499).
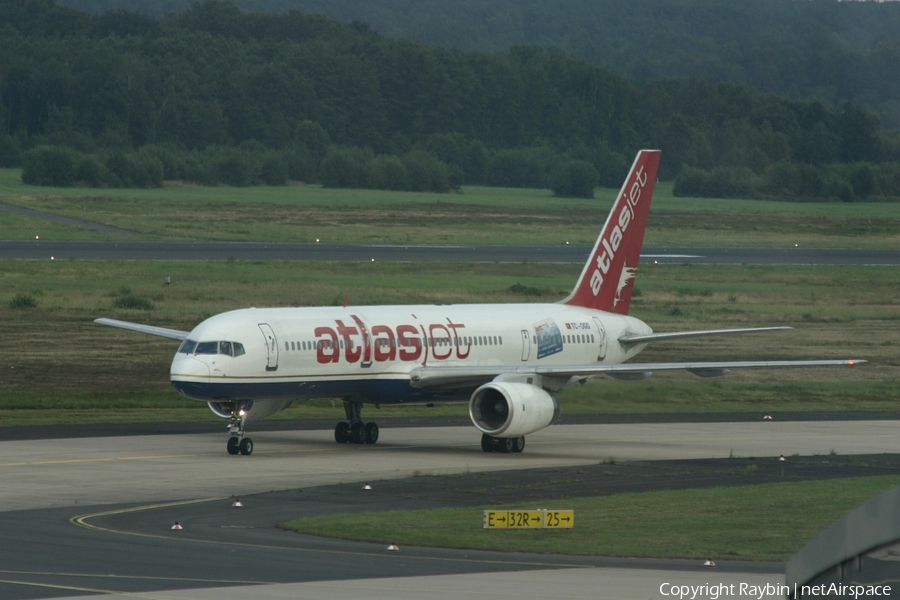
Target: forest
(218,96)
(827,50)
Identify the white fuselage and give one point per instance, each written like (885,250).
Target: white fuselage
(366,353)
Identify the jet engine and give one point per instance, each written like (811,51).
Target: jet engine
(249,410)
(505,409)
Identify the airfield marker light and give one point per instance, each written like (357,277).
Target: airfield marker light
(237,503)
(317,240)
(709,563)
(851,362)
(781,458)
(37,237)
(177,526)
(52,258)
(373,260)
(393,548)
(767,418)
(796,245)
(367,487)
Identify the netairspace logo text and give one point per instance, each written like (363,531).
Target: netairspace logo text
(714,591)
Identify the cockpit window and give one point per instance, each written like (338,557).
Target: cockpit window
(225,348)
(238,349)
(187,347)
(208,348)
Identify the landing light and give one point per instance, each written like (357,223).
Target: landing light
(242,412)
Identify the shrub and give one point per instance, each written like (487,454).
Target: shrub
(21,301)
(574,179)
(386,173)
(520,168)
(344,167)
(92,172)
(724,182)
(426,173)
(130,301)
(234,167)
(274,169)
(50,165)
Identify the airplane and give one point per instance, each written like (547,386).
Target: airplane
(506,360)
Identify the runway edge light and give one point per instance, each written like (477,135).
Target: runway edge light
(237,503)
(393,548)
(177,526)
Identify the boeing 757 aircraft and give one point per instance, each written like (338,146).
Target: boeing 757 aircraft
(506,360)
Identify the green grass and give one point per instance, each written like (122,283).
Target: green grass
(479,215)
(763,522)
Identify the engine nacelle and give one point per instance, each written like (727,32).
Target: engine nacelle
(250,410)
(508,409)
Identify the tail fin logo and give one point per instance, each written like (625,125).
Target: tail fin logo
(627,276)
(608,276)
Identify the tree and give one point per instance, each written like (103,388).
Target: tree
(574,178)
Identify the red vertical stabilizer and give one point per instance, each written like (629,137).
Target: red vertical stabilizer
(608,277)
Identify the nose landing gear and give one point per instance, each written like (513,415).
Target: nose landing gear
(237,443)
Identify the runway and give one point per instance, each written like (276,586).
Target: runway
(81,250)
(93,515)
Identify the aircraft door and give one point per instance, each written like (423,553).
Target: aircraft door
(526,345)
(601,349)
(271,346)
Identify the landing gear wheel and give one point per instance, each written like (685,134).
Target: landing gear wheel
(246,446)
(358,433)
(518,444)
(371,433)
(342,432)
(232,446)
(487,443)
(506,445)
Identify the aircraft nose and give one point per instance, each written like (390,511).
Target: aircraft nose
(189,369)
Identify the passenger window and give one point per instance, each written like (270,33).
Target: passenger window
(238,349)
(225,348)
(208,348)
(187,347)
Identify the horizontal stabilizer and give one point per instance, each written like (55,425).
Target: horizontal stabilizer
(658,337)
(173,334)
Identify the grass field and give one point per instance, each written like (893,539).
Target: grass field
(479,215)
(764,522)
(54,357)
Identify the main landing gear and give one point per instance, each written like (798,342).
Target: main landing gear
(353,430)
(237,443)
(504,445)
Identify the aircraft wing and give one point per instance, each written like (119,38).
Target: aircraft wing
(451,377)
(174,334)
